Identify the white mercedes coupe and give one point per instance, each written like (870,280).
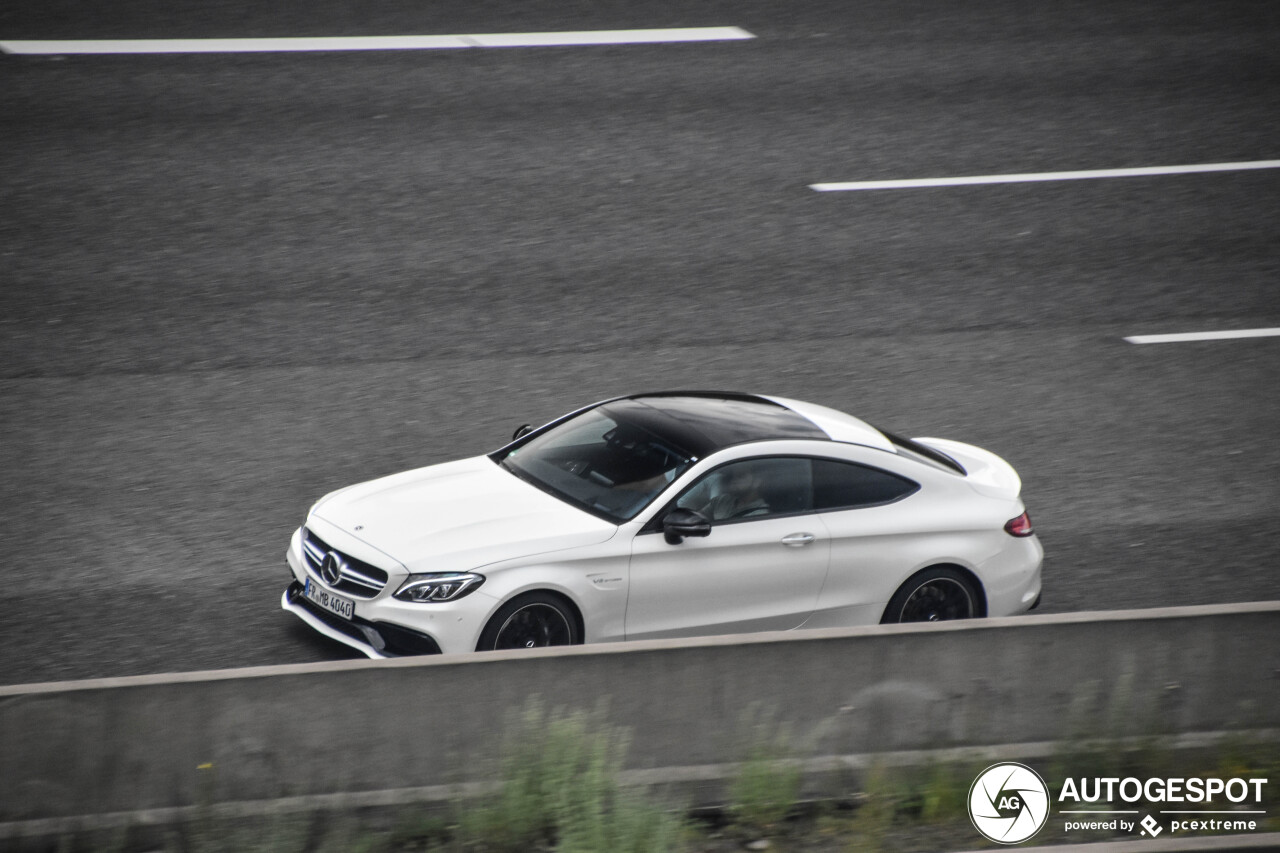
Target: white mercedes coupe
(667,515)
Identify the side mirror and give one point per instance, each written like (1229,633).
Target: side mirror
(522,431)
(680,523)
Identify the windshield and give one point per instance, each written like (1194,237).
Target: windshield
(601,463)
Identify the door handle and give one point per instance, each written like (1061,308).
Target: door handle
(797,540)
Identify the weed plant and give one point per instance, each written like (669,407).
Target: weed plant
(560,791)
(766,787)
(763,792)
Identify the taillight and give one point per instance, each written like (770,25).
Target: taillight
(1020,526)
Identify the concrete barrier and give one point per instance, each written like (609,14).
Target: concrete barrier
(372,728)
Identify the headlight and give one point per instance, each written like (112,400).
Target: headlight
(445,586)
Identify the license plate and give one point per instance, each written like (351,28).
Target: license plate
(344,607)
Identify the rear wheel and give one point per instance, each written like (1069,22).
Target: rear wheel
(530,622)
(934,595)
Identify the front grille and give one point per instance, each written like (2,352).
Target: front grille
(358,579)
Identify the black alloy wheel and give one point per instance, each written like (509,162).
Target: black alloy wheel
(530,622)
(934,595)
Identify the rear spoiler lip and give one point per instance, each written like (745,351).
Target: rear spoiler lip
(985,471)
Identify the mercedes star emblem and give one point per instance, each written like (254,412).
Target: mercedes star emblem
(331,568)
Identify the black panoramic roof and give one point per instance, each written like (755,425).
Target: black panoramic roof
(702,422)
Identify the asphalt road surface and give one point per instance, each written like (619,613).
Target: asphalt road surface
(235,282)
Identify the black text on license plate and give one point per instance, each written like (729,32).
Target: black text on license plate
(344,607)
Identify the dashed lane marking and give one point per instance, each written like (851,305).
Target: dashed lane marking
(340,43)
(914,183)
(1203,336)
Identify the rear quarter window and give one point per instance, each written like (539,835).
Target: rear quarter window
(846,485)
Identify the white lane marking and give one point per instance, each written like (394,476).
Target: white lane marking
(612,37)
(257,45)
(272,45)
(1204,336)
(913,183)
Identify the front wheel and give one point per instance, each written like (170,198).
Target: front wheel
(530,622)
(934,595)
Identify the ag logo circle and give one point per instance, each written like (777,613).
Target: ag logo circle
(1008,803)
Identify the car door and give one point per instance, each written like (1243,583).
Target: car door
(760,568)
(877,533)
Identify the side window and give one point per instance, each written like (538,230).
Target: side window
(752,488)
(844,485)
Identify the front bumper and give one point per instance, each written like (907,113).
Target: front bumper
(374,639)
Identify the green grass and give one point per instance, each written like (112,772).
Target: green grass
(558,791)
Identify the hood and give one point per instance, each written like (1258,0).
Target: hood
(459,516)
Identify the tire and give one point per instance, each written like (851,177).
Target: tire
(531,621)
(934,595)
